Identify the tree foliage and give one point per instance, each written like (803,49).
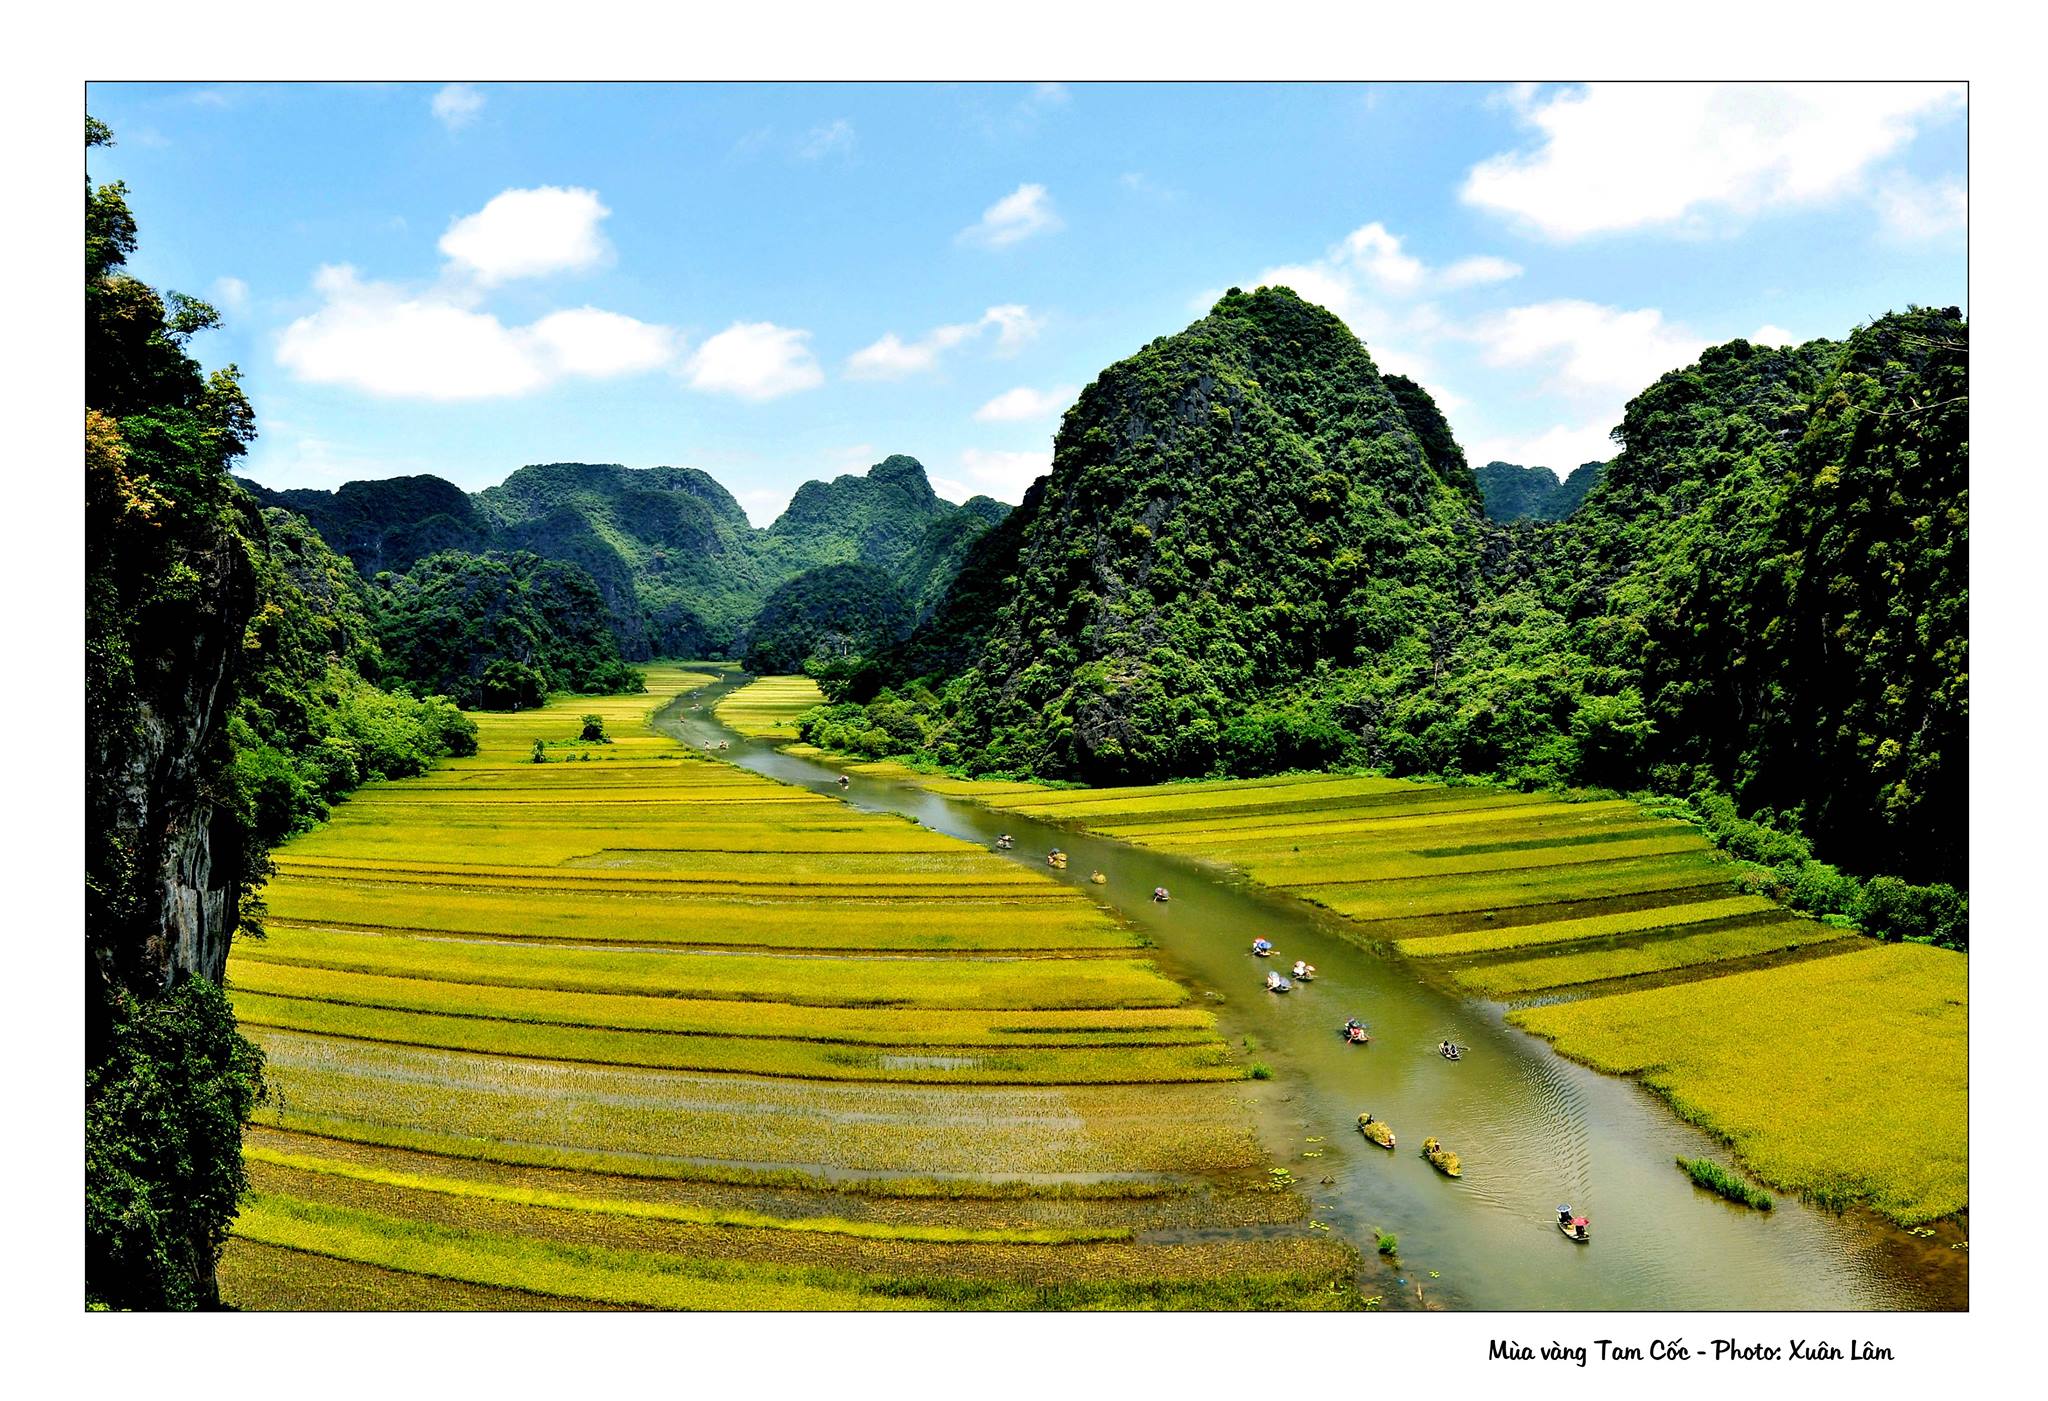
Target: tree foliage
(497,631)
(826,618)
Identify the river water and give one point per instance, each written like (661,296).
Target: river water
(1534,1129)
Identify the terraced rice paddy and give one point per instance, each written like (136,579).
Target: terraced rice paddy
(631,1028)
(1835,1067)
(768,708)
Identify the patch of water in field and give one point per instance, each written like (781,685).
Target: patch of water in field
(1534,1130)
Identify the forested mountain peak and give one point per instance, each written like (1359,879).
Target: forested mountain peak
(677,565)
(1514,493)
(1228,507)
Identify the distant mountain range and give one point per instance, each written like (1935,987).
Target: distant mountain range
(681,570)
(1513,493)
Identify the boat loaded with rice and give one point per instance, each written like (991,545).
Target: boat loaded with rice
(1375,1131)
(1442,1158)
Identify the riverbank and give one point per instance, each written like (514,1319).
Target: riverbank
(1834,1066)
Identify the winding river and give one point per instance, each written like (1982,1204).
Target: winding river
(1534,1130)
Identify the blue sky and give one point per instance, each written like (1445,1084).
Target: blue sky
(779,282)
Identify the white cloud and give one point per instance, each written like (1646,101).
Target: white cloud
(1025,211)
(764,504)
(1595,358)
(892,357)
(1477,272)
(587,341)
(385,340)
(1560,448)
(232,293)
(1593,351)
(1014,325)
(1139,183)
(756,360)
(1773,335)
(1612,157)
(1003,475)
(1916,212)
(457,105)
(524,233)
(833,138)
(1376,254)
(1371,281)
(1370,258)
(1025,404)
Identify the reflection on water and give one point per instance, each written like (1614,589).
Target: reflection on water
(1534,1130)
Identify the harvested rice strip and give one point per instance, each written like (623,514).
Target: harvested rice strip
(1569,931)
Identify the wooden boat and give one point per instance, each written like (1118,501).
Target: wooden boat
(1577,1229)
(1057,860)
(1375,1131)
(1450,1050)
(1261,948)
(1097,878)
(1159,894)
(1354,1031)
(1441,1158)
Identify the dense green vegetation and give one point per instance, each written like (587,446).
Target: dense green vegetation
(168,1089)
(1235,505)
(497,631)
(311,724)
(1253,554)
(1715,1178)
(678,569)
(827,619)
(1516,493)
(169,587)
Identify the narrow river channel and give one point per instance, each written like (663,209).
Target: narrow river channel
(1534,1130)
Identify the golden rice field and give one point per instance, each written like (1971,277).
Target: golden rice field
(632,1028)
(768,708)
(1835,1067)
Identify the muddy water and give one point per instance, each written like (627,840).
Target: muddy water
(1534,1130)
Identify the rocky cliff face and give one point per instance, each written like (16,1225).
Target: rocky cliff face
(173,856)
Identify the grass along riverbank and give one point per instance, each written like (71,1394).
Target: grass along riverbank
(631,1028)
(1835,1066)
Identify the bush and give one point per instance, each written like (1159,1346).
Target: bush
(540,752)
(1266,741)
(1388,1242)
(165,1106)
(1715,1178)
(1893,910)
(593,730)
(510,685)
